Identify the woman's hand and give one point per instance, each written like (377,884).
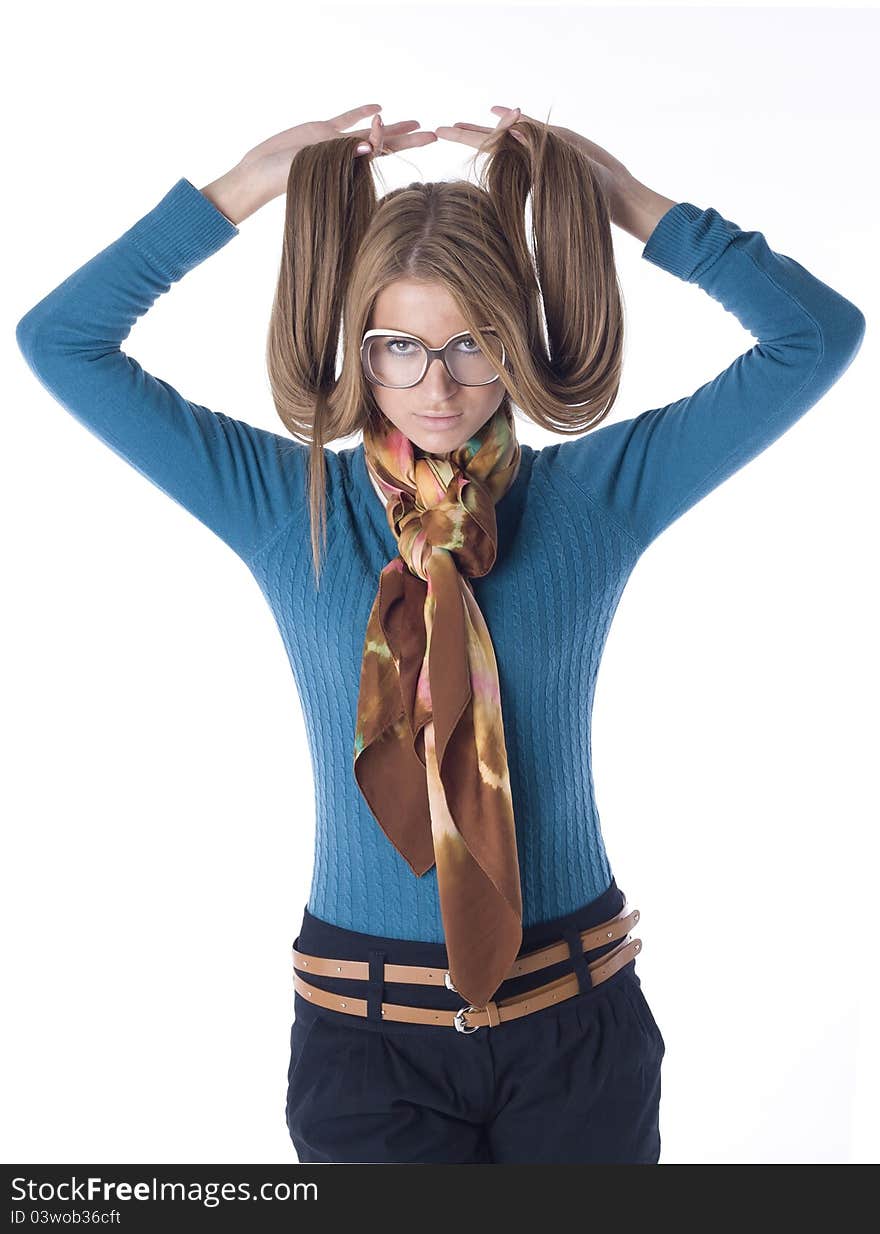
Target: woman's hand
(262,174)
(617,182)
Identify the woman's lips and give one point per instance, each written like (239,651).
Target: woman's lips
(439,422)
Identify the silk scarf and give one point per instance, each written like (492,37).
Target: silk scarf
(429,754)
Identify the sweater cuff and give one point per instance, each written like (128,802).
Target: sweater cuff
(182,230)
(687,240)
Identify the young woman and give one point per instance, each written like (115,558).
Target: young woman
(465,984)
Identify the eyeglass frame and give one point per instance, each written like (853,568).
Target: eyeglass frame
(432,353)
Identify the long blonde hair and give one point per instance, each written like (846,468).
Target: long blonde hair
(342,245)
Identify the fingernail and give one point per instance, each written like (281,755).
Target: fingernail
(364,148)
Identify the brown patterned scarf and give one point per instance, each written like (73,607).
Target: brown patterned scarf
(429,753)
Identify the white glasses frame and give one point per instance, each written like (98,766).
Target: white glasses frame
(431,353)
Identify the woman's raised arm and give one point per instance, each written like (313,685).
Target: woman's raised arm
(240,481)
(648,470)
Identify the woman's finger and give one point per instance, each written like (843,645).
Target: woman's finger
(505,111)
(408,141)
(470,134)
(401,126)
(467,137)
(388,139)
(345,118)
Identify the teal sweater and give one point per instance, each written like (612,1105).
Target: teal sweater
(570,529)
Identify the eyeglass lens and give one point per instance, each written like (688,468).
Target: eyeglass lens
(398,361)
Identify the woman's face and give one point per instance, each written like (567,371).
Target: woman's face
(427,310)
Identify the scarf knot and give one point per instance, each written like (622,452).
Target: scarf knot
(429,752)
(462,525)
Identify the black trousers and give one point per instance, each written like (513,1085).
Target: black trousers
(576,1082)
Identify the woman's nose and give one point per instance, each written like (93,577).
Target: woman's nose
(438,375)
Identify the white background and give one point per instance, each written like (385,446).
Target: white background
(157,791)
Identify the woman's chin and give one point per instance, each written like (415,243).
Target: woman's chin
(439,442)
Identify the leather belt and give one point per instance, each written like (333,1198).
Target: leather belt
(468,1019)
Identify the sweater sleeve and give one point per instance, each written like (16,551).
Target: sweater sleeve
(649,470)
(242,482)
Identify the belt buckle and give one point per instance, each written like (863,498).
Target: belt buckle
(459,1019)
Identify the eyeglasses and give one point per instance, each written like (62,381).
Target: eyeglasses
(399,360)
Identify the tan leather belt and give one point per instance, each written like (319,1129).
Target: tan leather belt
(494,1013)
